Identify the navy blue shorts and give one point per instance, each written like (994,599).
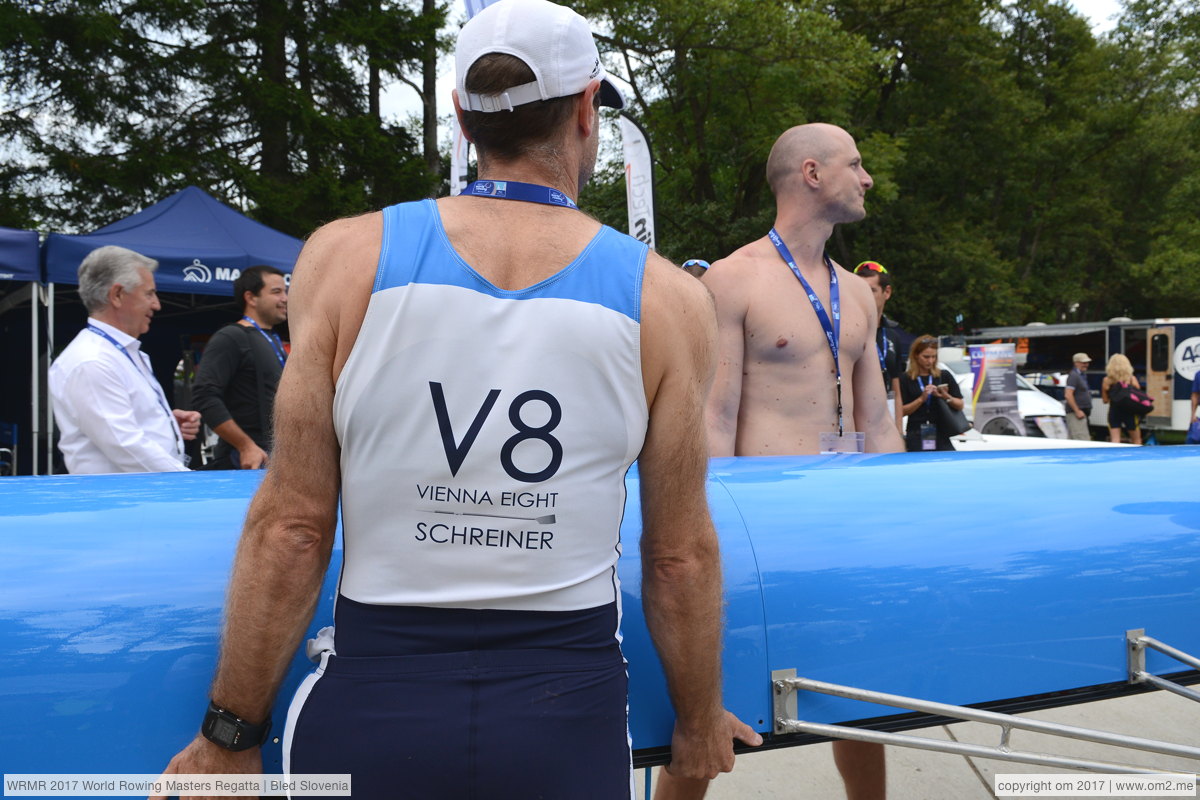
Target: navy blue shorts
(487,722)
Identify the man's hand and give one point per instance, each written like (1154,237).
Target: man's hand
(189,422)
(202,757)
(1079,413)
(705,753)
(252,456)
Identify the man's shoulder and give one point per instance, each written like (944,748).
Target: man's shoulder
(735,278)
(84,360)
(856,287)
(336,252)
(747,259)
(667,289)
(227,338)
(83,348)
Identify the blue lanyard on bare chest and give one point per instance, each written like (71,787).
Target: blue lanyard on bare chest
(832,328)
(272,339)
(162,403)
(513,190)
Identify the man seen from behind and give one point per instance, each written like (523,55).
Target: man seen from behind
(485,347)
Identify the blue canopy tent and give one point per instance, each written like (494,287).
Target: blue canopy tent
(19,276)
(201,246)
(18,255)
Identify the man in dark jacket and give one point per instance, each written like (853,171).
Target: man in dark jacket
(239,372)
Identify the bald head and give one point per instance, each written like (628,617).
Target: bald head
(817,141)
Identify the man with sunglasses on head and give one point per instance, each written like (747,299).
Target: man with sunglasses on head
(797,368)
(887,346)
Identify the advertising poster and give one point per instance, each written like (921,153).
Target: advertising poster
(994,396)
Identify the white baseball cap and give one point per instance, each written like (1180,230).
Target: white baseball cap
(553,41)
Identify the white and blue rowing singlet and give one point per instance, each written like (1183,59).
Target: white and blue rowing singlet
(486,434)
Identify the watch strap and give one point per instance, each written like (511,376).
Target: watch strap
(226,729)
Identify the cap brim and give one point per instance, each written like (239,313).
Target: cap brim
(610,95)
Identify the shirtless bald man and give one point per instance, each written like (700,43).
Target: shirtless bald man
(776,388)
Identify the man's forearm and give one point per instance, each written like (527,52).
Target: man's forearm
(682,601)
(232,434)
(277,577)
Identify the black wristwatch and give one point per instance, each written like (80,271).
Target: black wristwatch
(225,729)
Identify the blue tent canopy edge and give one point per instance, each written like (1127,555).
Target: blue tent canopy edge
(201,244)
(18,255)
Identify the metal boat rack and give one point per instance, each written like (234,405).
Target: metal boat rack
(786,686)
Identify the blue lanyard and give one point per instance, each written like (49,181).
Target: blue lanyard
(883,351)
(272,339)
(158,395)
(922,386)
(512,190)
(833,330)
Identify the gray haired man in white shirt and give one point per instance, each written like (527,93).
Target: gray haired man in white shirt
(112,411)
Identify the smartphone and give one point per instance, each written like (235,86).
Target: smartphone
(943,386)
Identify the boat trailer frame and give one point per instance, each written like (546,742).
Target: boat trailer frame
(786,687)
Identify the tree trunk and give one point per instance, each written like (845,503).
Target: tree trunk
(433,160)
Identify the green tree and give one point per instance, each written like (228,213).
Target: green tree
(715,82)
(272,105)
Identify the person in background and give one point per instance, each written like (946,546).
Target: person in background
(891,360)
(919,386)
(1193,433)
(112,411)
(239,372)
(1078,398)
(695,267)
(1119,372)
(1195,394)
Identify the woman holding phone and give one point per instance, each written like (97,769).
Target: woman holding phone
(920,386)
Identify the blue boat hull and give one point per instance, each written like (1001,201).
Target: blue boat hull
(978,579)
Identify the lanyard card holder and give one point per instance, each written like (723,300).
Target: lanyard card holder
(854,442)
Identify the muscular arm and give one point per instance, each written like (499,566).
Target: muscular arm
(289,531)
(899,411)
(870,396)
(681,567)
(726,282)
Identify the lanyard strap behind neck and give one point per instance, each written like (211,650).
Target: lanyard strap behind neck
(514,190)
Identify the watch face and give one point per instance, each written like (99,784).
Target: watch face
(224,731)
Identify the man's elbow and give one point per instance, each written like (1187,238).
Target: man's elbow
(700,559)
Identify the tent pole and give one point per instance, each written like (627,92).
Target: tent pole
(35,297)
(49,397)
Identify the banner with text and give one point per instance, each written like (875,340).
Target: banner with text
(994,396)
(639,181)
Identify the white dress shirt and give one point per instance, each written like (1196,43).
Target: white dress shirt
(110,408)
